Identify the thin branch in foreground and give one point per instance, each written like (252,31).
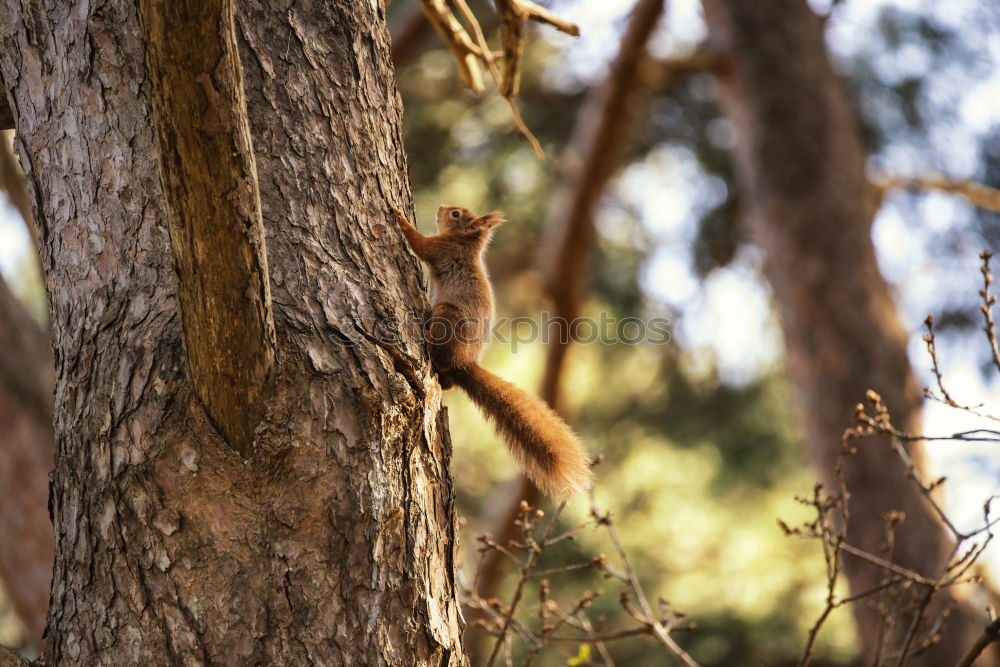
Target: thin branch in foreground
(533,553)
(990,328)
(930,340)
(833,534)
(903,593)
(659,631)
(471,50)
(990,635)
(465,51)
(514,14)
(501,619)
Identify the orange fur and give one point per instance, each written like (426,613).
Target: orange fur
(545,447)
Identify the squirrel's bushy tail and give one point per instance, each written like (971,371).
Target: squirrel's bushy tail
(546,448)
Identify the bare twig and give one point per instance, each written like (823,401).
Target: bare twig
(533,552)
(987,308)
(455,37)
(514,14)
(903,592)
(990,635)
(833,540)
(659,630)
(485,53)
(930,339)
(925,600)
(470,51)
(499,619)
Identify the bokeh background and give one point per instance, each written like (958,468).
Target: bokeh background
(703,446)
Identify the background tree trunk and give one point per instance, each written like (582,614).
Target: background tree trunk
(26,448)
(334,544)
(801,166)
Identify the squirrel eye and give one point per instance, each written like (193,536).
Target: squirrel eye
(455,214)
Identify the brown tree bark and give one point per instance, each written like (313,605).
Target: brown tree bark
(209,179)
(26,449)
(801,168)
(334,543)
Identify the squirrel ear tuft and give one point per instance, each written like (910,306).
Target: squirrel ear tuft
(492,219)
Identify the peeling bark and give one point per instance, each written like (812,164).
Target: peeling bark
(335,543)
(801,168)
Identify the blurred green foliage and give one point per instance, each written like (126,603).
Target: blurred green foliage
(697,469)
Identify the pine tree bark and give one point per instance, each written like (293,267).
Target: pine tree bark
(801,168)
(334,543)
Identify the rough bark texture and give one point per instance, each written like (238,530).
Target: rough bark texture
(801,167)
(209,181)
(334,544)
(26,448)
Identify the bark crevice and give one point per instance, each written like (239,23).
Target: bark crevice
(209,179)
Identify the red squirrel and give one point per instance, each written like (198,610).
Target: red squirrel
(546,448)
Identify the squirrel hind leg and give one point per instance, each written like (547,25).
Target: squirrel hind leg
(442,353)
(446,335)
(445,380)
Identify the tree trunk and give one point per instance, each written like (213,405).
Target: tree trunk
(26,447)
(801,166)
(334,543)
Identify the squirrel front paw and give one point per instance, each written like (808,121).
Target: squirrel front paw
(400,218)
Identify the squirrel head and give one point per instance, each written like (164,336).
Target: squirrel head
(458,219)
